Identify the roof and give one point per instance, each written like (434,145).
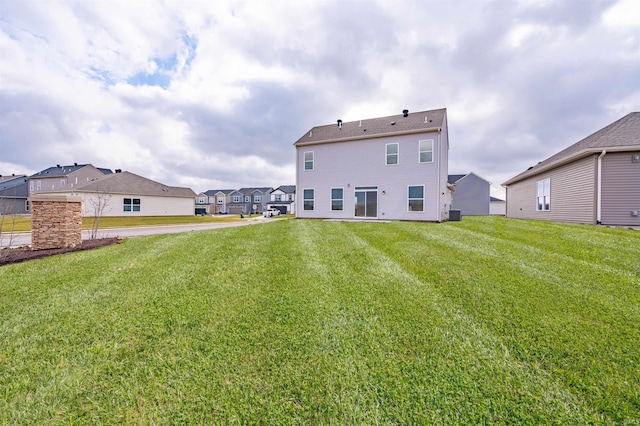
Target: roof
(454,178)
(60,171)
(623,134)
(496,199)
(215,191)
(287,189)
(130,183)
(14,186)
(416,122)
(249,191)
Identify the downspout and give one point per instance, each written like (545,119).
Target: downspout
(438,199)
(599,189)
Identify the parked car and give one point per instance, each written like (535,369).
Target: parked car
(271,211)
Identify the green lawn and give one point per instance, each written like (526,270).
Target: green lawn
(482,321)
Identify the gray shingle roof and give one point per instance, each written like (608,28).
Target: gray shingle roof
(414,122)
(132,184)
(14,186)
(212,192)
(454,178)
(60,171)
(621,134)
(287,189)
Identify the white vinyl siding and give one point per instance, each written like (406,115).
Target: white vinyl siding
(426,151)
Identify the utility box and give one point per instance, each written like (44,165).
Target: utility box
(455,215)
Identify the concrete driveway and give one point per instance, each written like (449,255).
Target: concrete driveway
(24,238)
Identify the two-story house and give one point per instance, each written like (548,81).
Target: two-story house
(219,198)
(471,196)
(64,178)
(203,203)
(283,198)
(387,168)
(248,200)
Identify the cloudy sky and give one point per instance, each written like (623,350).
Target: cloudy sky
(212,94)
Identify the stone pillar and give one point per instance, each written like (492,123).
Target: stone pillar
(56,221)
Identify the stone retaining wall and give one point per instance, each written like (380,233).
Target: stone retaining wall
(56,221)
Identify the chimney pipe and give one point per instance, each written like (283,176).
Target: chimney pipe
(75,164)
(339,124)
(118,170)
(405,112)
(58,165)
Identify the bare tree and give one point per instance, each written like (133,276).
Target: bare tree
(97,205)
(8,209)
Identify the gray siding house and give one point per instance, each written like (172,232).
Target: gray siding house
(14,194)
(594,181)
(387,168)
(220,200)
(248,200)
(471,196)
(64,178)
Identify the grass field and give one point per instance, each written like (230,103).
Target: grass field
(482,321)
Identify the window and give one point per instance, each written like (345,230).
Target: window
(392,154)
(131,204)
(211,200)
(278,197)
(247,199)
(26,205)
(31,186)
(426,151)
(63,182)
(290,197)
(257,198)
(308,160)
(200,200)
(236,198)
(337,199)
(220,200)
(308,199)
(416,198)
(38,185)
(543,196)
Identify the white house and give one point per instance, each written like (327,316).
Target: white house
(387,168)
(283,198)
(127,194)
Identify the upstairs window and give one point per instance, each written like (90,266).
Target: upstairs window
(31,186)
(38,185)
(257,198)
(543,195)
(236,199)
(308,160)
(63,182)
(416,198)
(426,151)
(290,197)
(337,199)
(392,154)
(131,204)
(278,197)
(200,200)
(220,200)
(247,199)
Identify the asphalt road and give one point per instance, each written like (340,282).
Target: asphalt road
(24,238)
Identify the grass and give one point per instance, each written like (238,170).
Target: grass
(23,223)
(487,320)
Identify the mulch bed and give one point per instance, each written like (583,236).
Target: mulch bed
(21,254)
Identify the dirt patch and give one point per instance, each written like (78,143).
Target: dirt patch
(21,254)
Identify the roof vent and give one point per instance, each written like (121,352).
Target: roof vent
(405,112)
(75,164)
(393,123)
(118,170)
(58,165)
(339,124)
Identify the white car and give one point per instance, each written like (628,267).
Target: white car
(270,212)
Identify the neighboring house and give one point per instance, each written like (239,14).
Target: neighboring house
(219,198)
(127,194)
(14,194)
(284,199)
(471,196)
(203,203)
(594,181)
(248,200)
(497,207)
(64,178)
(388,168)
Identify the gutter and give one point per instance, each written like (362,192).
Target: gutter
(599,189)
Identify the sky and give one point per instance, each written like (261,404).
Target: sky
(213,94)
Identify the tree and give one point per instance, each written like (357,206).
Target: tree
(97,206)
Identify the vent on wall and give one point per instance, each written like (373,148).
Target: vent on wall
(635,158)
